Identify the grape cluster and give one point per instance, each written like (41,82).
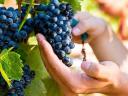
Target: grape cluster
(18,87)
(53,21)
(10,20)
(10,36)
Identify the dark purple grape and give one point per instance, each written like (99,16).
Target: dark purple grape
(14,27)
(9,21)
(67,50)
(9,14)
(1,31)
(42,7)
(67,61)
(56,11)
(3,18)
(51,7)
(62,7)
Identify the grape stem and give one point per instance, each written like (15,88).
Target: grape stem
(19,5)
(27,12)
(83,50)
(55,1)
(29,3)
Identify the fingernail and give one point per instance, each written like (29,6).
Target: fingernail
(76,31)
(40,37)
(75,17)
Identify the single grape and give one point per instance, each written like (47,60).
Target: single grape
(67,61)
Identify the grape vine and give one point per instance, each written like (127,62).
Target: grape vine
(53,20)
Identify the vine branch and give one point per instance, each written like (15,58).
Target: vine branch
(19,5)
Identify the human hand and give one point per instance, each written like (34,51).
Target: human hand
(104,42)
(95,78)
(10,3)
(113,7)
(95,27)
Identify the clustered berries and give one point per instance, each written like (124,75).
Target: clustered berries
(54,22)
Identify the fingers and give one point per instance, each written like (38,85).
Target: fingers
(93,85)
(46,49)
(80,28)
(90,24)
(104,76)
(98,71)
(48,54)
(82,15)
(52,63)
(83,25)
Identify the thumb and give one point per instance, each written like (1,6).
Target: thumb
(96,70)
(80,28)
(83,25)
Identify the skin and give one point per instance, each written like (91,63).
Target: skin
(114,7)
(102,37)
(104,77)
(117,8)
(10,3)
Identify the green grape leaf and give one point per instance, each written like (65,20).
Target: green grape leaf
(37,87)
(76,4)
(10,65)
(2,1)
(22,52)
(32,39)
(37,1)
(42,84)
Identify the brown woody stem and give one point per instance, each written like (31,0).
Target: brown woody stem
(19,5)
(83,50)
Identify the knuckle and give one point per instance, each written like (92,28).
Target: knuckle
(94,70)
(100,22)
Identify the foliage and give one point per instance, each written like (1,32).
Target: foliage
(2,1)
(75,4)
(43,84)
(10,66)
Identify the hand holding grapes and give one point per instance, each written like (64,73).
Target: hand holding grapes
(102,78)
